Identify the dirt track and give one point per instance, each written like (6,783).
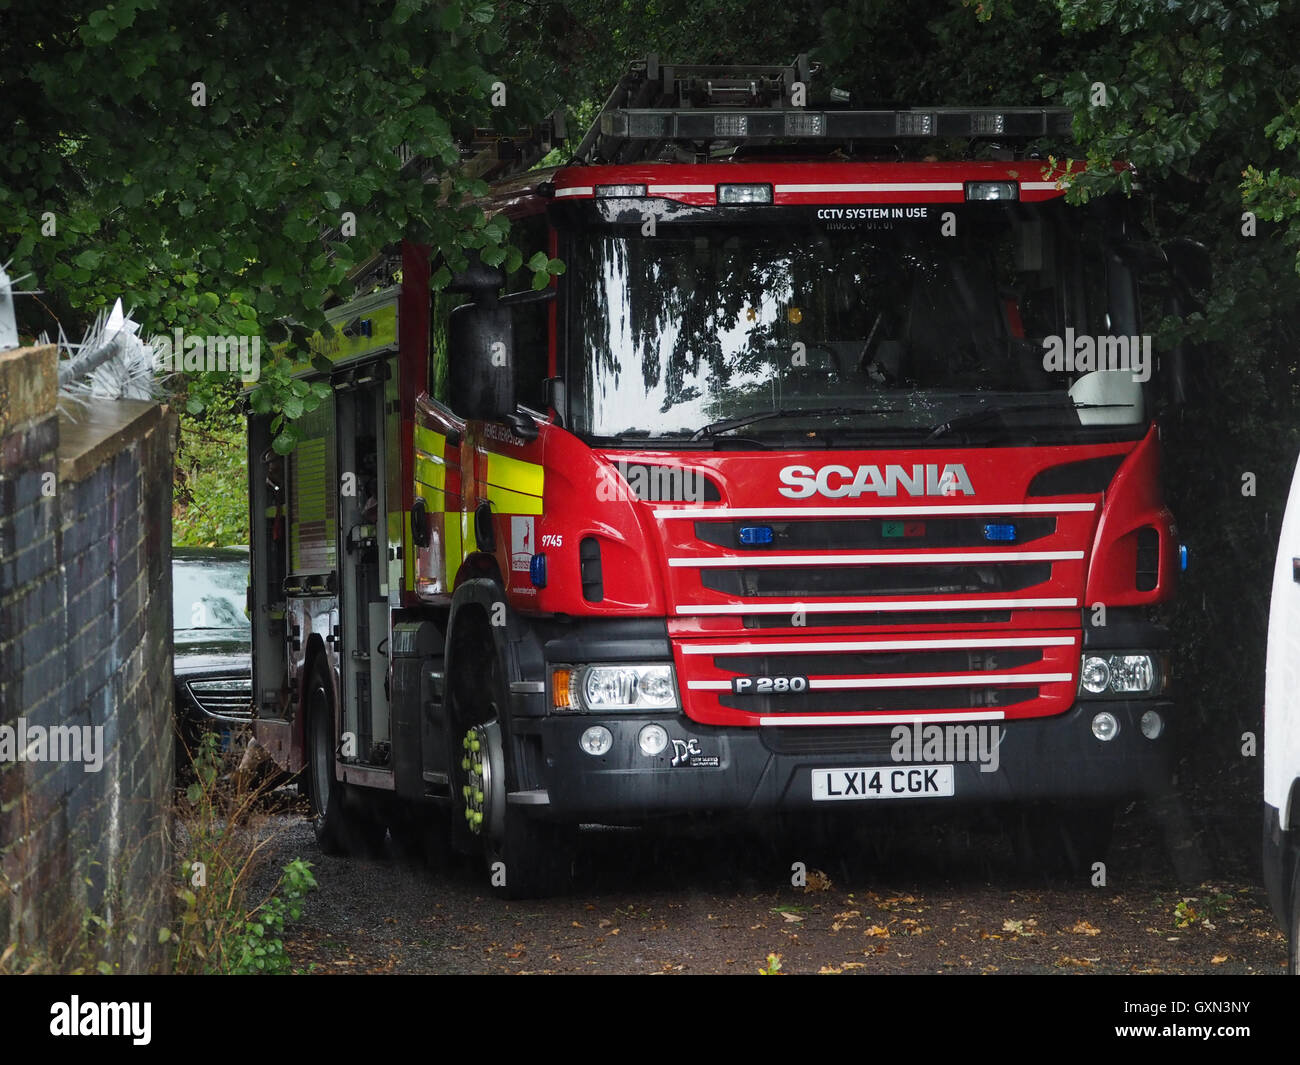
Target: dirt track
(1182,895)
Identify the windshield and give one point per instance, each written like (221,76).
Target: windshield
(898,319)
(208,598)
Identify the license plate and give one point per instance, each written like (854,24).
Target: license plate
(883,782)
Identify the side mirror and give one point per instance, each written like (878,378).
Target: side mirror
(481,363)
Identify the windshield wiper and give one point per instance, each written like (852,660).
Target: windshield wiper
(961,421)
(761,416)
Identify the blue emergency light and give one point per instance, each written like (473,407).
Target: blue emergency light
(537,571)
(1000,533)
(755,534)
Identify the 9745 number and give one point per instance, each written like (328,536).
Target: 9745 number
(768,685)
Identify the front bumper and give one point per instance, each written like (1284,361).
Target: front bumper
(769,769)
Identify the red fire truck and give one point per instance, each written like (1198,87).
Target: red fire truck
(824,474)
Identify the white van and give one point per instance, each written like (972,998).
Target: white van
(1282,733)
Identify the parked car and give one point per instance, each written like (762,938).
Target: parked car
(212,663)
(1282,733)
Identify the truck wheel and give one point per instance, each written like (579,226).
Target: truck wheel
(340,828)
(1057,841)
(526,857)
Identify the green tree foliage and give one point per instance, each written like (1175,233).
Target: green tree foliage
(199,159)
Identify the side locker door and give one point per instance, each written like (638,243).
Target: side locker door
(363,564)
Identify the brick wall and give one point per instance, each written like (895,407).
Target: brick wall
(85,640)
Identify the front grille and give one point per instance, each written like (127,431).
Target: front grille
(782,581)
(918,618)
(897,699)
(226,697)
(867,741)
(845,664)
(858,533)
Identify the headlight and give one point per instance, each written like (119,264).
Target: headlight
(623,687)
(1122,673)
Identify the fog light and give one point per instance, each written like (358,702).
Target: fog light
(653,740)
(1152,725)
(597,740)
(1105,727)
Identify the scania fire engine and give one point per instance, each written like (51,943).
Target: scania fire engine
(783,496)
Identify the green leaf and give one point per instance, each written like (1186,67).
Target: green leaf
(332,200)
(283,444)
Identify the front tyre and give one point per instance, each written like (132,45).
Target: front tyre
(526,857)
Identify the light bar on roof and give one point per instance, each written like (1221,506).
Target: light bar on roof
(706,124)
(805,124)
(731,125)
(916,123)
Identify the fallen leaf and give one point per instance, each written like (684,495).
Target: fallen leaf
(792,918)
(1083,928)
(1218,959)
(817,881)
(877,930)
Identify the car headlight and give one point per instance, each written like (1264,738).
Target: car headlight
(1121,673)
(621,687)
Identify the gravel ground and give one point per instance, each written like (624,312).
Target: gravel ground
(906,892)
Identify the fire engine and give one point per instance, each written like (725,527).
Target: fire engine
(782,496)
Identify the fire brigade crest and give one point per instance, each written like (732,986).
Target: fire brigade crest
(521,544)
